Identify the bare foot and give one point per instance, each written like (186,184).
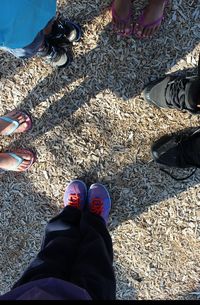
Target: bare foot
(122,16)
(18,116)
(9,163)
(152,13)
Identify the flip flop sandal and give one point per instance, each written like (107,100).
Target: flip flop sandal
(124,21)
(19,160)
(149,25)
(17,124)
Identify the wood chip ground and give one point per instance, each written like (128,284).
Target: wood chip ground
(91,122)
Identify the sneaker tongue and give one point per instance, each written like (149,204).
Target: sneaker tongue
(182,98)
(192,95)
(187,97)
(178,98)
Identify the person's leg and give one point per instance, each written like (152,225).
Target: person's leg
(150,20)
(61,242)
(52,43)
(122,16)
(27,51)
(93,269)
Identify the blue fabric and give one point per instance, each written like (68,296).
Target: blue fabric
(22,20)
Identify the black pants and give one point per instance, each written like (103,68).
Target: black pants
(76,248)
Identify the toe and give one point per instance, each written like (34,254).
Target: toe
(139,30)
(155,30)
(147,32)
(128,30)
(26,155)
(22,167)
(120,28)
(25,164)
(116,25)
(22,127)
(20,117)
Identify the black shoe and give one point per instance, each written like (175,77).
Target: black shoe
(55,56)
(64,32)
(179,150)
(175,92)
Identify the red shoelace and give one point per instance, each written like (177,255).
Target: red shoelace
(74,200)
(97,206)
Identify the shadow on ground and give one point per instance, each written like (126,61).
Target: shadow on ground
(149,61)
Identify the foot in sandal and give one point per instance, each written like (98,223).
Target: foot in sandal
(150,20)
(18,160)
(15,121)
(122,17)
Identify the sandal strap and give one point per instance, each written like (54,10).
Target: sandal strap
(148,25)
(156,22)
(12,129)
(17,158)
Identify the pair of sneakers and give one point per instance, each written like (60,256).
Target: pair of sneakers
(56,48)
(182,149)
(96,199)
